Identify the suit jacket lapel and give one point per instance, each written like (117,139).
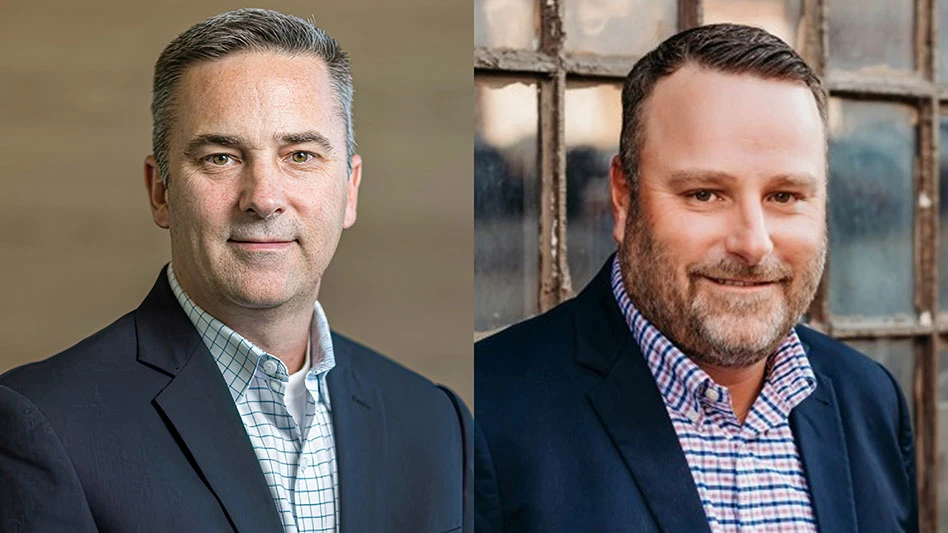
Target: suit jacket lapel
(818,432)
(359,429)
(631,410)
(201,411)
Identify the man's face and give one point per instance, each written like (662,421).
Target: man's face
(258,193)
(725,246)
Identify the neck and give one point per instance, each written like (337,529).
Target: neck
(282,331)
(284,337)
(744,384)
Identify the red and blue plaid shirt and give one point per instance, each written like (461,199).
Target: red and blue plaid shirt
(749,477)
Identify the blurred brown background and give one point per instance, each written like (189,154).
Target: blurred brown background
(77,245)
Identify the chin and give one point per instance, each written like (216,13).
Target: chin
(259,292)
(740,333)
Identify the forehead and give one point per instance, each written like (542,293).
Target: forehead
(737,123)
(258,91)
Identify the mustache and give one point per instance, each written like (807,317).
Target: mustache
(770,271)
(264,231)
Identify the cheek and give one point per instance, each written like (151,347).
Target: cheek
(196,211)
(322,208)
(799,242)
(689,238)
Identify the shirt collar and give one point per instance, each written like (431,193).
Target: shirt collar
(239,359)
(684,386)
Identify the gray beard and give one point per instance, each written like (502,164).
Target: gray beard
(710,328)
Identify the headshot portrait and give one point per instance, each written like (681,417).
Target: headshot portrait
(708,271)
(236,362)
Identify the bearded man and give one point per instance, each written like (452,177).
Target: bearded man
(676,393)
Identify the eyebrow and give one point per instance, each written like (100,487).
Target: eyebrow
(206,139)
(305,137)
(230,141)
(698,178)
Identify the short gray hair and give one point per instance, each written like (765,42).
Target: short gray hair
(244,30)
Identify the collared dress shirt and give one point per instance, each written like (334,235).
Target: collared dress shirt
(298,459)
(749,476)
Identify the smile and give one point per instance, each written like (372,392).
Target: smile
(261,246)
(740,283)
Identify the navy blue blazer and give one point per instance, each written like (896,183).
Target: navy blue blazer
(571,433)
(133,429)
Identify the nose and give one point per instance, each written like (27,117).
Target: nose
(261,192)
(749,237)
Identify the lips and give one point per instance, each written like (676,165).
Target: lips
(740,283)
(269,241)
(261,246)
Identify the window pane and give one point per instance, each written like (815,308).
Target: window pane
(593,121)
(943,76)
(618,27)
(897,355)
(507,23)
(872,153)
(506,225)
(943,219)
(783,18)
(873,37)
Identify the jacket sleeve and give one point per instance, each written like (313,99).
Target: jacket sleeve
(39,489)
(466,421)
(487,510)
(907,447)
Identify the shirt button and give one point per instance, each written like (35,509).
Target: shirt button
(693,416)
(274,385)
(711,393)
(304,464)
(269,366)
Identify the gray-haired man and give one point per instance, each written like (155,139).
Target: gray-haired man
(224,402)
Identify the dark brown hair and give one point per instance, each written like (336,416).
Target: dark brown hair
(728,48)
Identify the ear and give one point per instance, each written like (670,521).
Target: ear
(620,191)
(352,191)
(157,193)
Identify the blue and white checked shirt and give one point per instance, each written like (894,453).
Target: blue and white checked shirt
(298,461)
(749,477)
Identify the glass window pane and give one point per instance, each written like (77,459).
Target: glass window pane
(618,27)
(943,76)
(507,24)
(873,37)
(506,224)
(872,153)
(897,355)
(943,219)
(783,18)
(593,121)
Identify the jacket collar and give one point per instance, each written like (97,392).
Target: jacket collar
(631,409)
(200,410)
(632,412)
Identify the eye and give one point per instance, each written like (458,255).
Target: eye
(702,195)
(783,197)
(219,159)
(301,157)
